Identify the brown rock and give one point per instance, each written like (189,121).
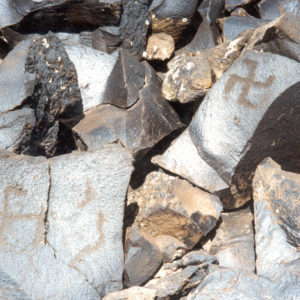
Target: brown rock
(160,46)
(133,293)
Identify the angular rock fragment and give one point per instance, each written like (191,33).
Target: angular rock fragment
(251,112)
(280,36)
(233,243)
(172,16)
(191,75)
(183,159)
(230,5)
(169,206)
(44,15)
(133,293)
(271,9)
(234,25)
(160,46)
(207,35)
(224,283)
(277,222)
(139,127)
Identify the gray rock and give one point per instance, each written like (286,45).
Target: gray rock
(233,243)
(183,159)
(93,69)
(223,283)
(230,5)
(62,239)
(238,122)
(277,223)
(133,293)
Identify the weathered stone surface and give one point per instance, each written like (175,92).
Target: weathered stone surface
(271,9)
(191,75)
(133,293)
(172,16)
(277,222)
(232,4)
(183,159)
(125,81)
(233,243)
(160,46)
(280,37)
(62,239)
(223,283)
(14,125)
(207,35)
(142,258)
(249,113)
(134,25)
(93,69)
(169,206)
(234,25)
(44,15)
(138,128)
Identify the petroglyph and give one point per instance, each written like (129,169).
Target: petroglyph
(247,83)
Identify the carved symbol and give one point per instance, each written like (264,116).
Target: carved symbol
(247,83)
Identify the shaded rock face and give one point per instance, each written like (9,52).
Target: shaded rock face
(37,211)
(265,95)
(276,207)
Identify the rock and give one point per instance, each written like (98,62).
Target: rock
(139,127)
(207,35)
(64,237)
(230,5)
(223,284)
(276,207)
(240,12)
(279,37)
(271,9)
(134,26)
(169,206)
(133,293)
(233,243)
(234,25)
(56,15)
(160,46)
(172,16)
(142,258)
(191,75)
(93,69)
(251,119)
(183,159)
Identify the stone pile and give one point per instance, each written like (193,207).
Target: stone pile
(149,149)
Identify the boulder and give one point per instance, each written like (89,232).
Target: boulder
(277,222)
(63,238)
(169,206)
(233,243)
(230,5)
(160,46)
(249,113)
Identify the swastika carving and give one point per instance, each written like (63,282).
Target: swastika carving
(247,84)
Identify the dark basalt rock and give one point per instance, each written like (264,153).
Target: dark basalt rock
(66,15)
(139,127)
(56,93)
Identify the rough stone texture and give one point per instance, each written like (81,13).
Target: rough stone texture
(133,293)
(230,5)
(93,69)
(134,25)
(142,258)
(280,37)
(207,35)
(44,15)
(224,284)
(277,222)
(249,113)
(191,75)
(125,81)
(138,128)
(271,9)
(169,206)
(234,25)
(233,243)
(62,239)
(160,46)
(183,159)
(172,16)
